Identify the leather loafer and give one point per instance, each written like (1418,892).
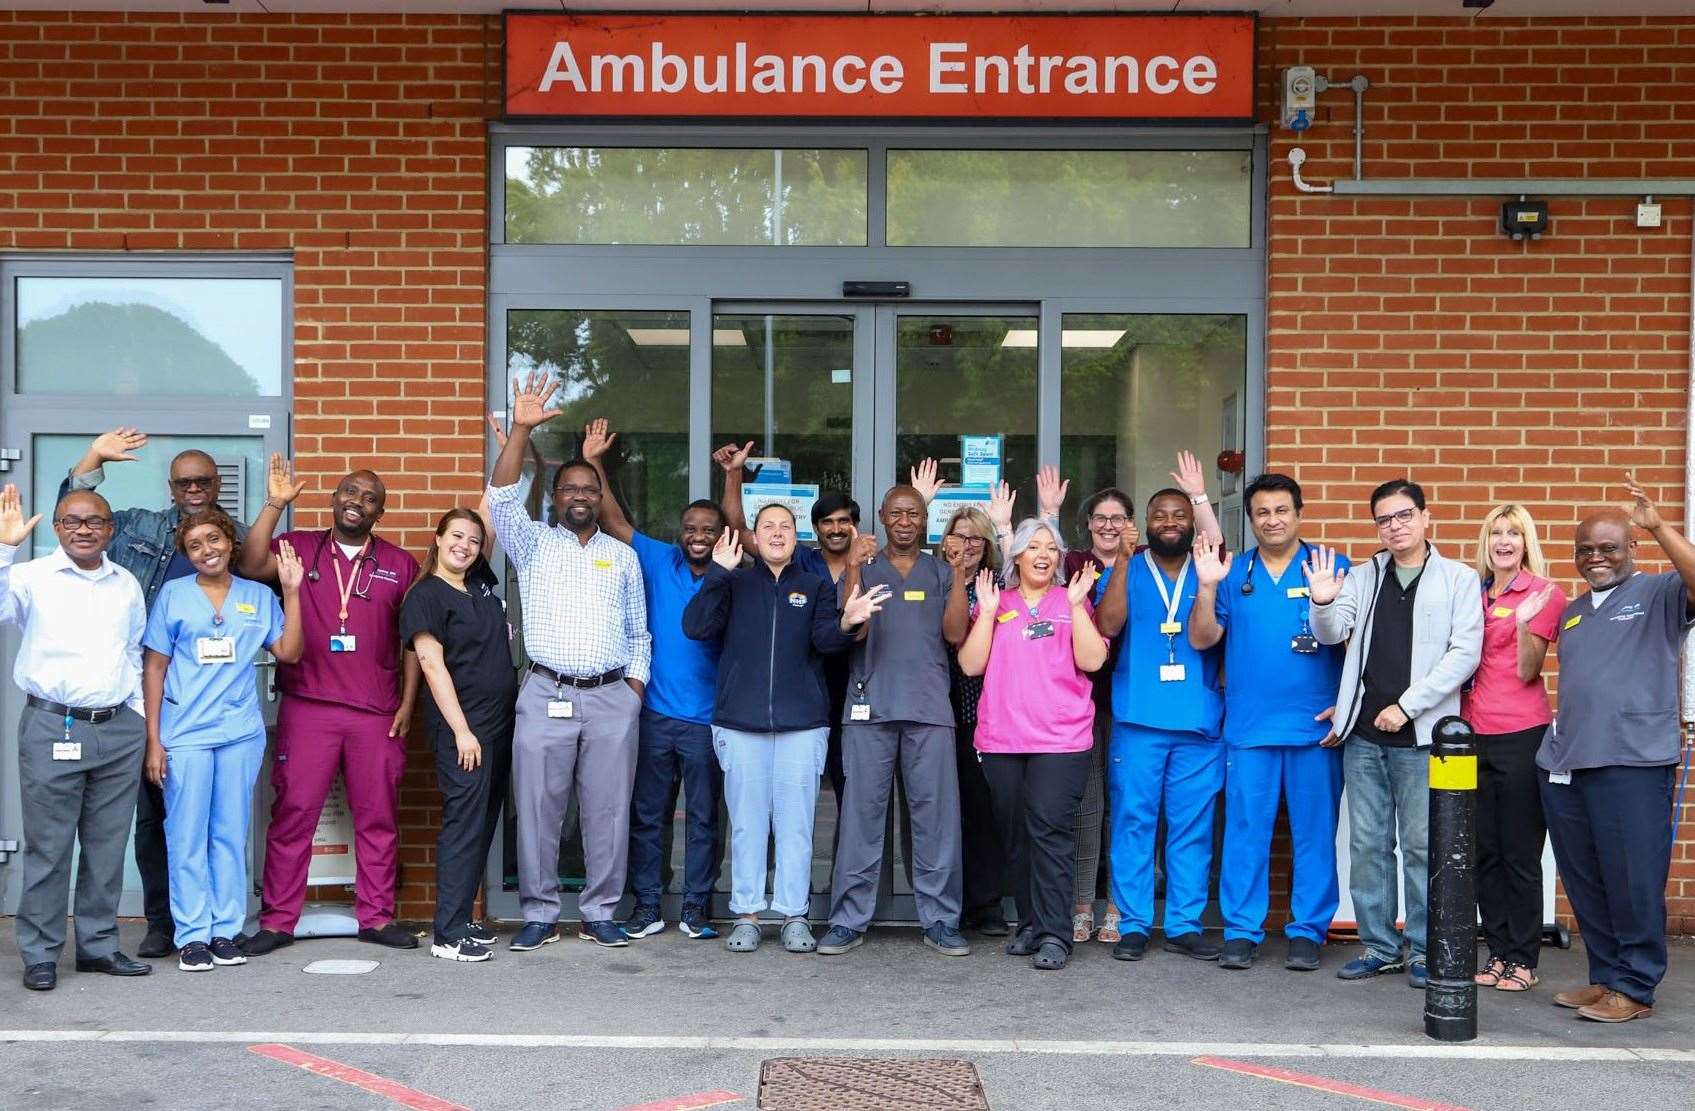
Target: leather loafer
(157,943)
(41,977)
(113,964)
(391,935)
(1578,998)
(1615,1006)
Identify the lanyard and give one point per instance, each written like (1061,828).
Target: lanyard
(1171,598)
(346,588)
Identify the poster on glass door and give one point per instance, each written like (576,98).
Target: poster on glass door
(950,500)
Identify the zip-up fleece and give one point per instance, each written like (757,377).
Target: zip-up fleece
(775,630)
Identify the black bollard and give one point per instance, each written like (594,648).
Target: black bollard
(1450,998)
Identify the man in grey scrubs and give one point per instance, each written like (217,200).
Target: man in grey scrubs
(898,709)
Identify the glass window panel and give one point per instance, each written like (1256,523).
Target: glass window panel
(1069,198)
(100,337)
(631,368)
(967,375)
(673,195)
(1136,390)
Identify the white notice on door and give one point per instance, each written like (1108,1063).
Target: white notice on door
(258,420)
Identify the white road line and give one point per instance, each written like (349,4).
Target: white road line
(1472,1052)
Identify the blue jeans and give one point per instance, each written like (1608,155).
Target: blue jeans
(1184,770)
(770,788)
(208,805)
(668,748)
(1388,793)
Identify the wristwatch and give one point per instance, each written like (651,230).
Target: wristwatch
(1198,499)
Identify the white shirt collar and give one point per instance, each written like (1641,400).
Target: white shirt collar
(59,560)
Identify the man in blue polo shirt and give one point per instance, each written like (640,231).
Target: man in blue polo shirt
(676,718)
(1167,707)
(1279,697)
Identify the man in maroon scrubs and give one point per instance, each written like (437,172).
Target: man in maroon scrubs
(345,705)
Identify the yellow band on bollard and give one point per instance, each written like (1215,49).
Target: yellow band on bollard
(1454,773)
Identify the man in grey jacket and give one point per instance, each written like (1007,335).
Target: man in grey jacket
(1414,626)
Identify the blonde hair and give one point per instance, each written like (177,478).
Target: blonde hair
(985,528)
(1519,518)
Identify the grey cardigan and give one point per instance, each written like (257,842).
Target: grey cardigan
(1447,638)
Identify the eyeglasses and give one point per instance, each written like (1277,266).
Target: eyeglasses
(1117,520)
(194,482)
(571,491)
(77,524)
(968,541)
(1399,517)
(1590,551)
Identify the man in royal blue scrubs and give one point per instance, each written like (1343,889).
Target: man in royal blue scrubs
(1167,707)
(1279,697)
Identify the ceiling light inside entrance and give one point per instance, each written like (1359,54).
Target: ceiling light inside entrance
(1071,337)
(679,337)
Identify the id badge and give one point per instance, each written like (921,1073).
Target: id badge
(1036,630)
(559,708)
(1560,779)
(1171,628)
(1171,673)
(67,750)
(214,650)
(859,711)
(1304,643)
(343,642)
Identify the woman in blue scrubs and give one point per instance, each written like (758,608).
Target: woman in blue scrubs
(205,734)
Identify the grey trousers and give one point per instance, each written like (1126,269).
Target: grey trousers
(931,780)
(90,802)
(594,753)
(1091,813)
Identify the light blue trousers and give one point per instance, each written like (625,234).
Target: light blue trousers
(1309,778)
(770,790)
(1184,771)
(208,805)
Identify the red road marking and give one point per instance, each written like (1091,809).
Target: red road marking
(347,1074)
(1324,1084)
(688,1103)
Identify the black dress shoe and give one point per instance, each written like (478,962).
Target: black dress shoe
(1192,945)
(157,943)
(113,964)
(390,935)
(41,977)
(993,925)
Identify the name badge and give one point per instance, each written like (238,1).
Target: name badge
(67,750)
(913,596)
(1171,673)
(1572,624)
(859,711)
(1036,630)
(559,708)
(1005,617)
(343,642)
(1502,611)
(215,650)
(246,607)
(603,564)
(1562,779)
(1297,592)
(1171,628)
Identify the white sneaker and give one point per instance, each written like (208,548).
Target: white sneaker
(466,950)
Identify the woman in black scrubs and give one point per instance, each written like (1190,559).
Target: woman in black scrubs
(456,623)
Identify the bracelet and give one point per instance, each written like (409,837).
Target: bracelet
(275,506)
(1198,499)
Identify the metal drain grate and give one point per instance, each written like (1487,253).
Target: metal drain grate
(867,1084)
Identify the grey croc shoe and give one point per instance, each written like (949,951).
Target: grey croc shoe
(797,936)
(744,938)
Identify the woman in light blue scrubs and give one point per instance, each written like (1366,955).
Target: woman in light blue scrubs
(205,735)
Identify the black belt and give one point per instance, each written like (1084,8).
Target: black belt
(93,717)
(589,683)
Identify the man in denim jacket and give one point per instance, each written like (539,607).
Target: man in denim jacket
(144,544)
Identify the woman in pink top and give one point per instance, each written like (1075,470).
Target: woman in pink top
(1508,706)
(1034,644)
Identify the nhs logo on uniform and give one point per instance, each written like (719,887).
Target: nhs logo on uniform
(1629,612)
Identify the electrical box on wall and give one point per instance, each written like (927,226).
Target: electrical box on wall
(1524,218)
(1300,97)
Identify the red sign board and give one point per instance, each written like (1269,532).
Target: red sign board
(1165,67)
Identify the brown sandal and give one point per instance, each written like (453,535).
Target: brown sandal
(1491,974)
(1517,977)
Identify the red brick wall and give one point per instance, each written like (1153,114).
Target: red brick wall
(357,144)
(1407,335)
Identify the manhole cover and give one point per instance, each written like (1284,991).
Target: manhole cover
(865,1084)
(340,968)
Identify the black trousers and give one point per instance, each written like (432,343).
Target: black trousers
(1035,798)
(1510,834)
(982,856)
(150,859)
(470,814)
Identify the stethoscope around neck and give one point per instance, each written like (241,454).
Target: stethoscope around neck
(366,558)
(1253,556)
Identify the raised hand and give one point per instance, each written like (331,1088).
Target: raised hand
(498,429)
(1077,590)
(291,572)
(1188,476)
(1533,605)
(529,401)
(597,441)
(118,445)
(1000,506)
(1128,537)
(862,549)
(1050,491)
(14,530)
(280,484)
(1643,513)
(1212,561)
(727,553)
(732,458)
(923,479)
(1324,578)
(861,605)
(988,592)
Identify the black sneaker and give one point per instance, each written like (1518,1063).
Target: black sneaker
(1238,953)
(465,949)
(989,923)
(1192,945)
(266,941)
(196,956)
(1023,945)
(946,940)
(481,932)
(533,936)
(604,932)
(391,935)
(158,943)
(643,921)
(1131,947)
(695,923)
(224,952)
(1302,955)
(838,940)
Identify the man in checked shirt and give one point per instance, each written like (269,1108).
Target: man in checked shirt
(585,629)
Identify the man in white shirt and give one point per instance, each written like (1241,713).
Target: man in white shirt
(81,734)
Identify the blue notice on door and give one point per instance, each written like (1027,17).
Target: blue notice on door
(979,460)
